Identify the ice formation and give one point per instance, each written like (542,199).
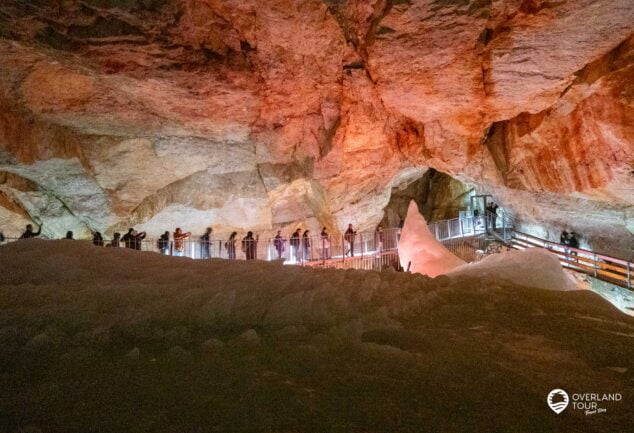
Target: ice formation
(419,250)
(116,340)
(533,267)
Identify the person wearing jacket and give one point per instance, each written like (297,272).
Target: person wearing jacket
(114,243)
(163,243)
(349,237)
(133,239)
(205,244)
(29,233)
(278,243)
(230,245)
(250,246)
(306,245)
(97,239)
(179,241)
(295,241)
(325,243)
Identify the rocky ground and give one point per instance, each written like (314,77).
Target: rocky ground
(97,340)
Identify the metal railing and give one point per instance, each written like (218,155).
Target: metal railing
(468,237)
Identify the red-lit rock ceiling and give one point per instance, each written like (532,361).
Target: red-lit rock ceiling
(245,114)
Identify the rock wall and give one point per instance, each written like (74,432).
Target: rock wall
(244,114)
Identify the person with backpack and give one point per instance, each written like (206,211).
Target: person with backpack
(230,245)
(163,243)
(278,243)
(295,241)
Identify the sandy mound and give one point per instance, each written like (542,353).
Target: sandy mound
(419,246)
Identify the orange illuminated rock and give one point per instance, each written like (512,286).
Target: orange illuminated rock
(264,114)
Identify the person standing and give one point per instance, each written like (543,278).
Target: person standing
(349,237)
(69,235)
(205,244)
(573,242)
(114,243)
(97,239)
(29,233)
(325,244)
(230,245)
(278,243)
(179,241)
(306,244)
(250,246)
(295,241)
(132,239)
(163,243)
(378,239)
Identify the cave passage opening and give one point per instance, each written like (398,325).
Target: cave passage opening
(438,195)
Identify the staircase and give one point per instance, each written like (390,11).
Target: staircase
(602,267)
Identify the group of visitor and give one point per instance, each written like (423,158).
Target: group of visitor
(174,244)
(300,245)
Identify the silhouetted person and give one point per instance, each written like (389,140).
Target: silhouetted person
(133,239)
(29,233)
(129,240)
(179,241)
(573,242)
(278,243)
(492,209)
(563,238)
(295,241)
(114,243)
(349,236)
(325,243)
(2,238)
(205,244)
(97,239)
(249,246)
(163,243)
(378,238)
(306,244)
(230,245)
(69,235)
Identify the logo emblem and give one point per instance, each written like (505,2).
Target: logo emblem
(558,400)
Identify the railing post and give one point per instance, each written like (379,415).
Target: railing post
(461,229)
(629,276)
(595,265)
(362,244)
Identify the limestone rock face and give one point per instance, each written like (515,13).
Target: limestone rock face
(259,115)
